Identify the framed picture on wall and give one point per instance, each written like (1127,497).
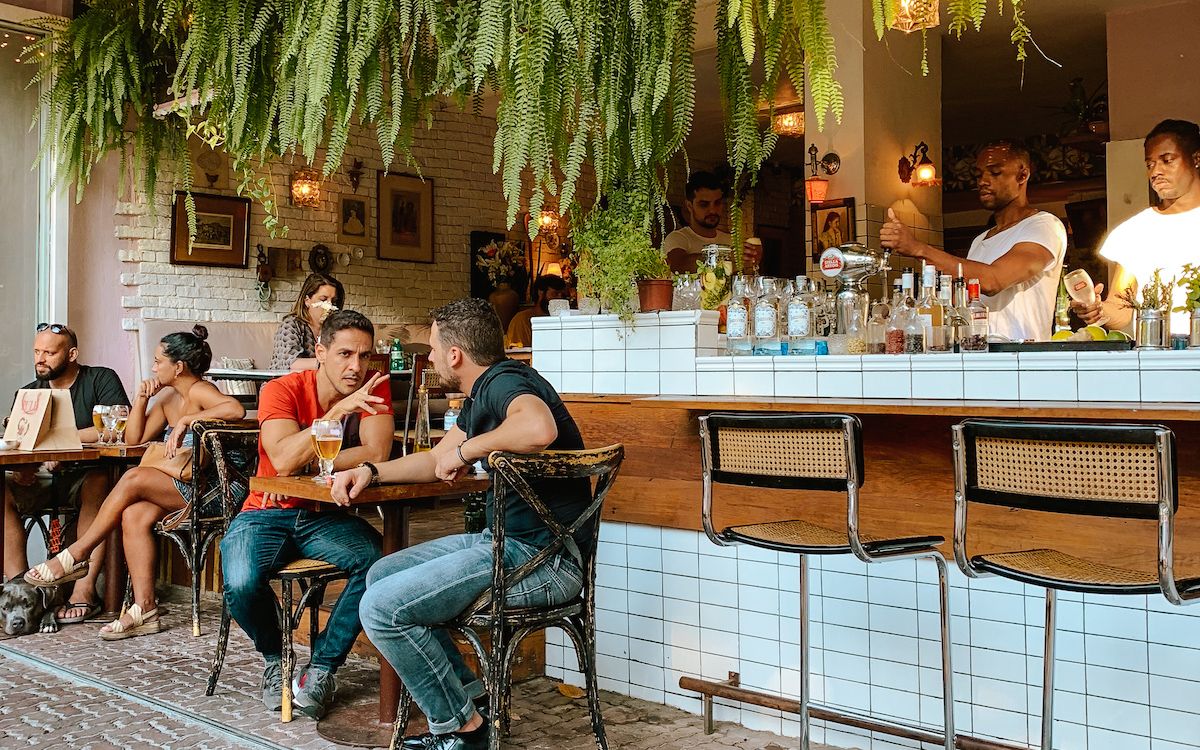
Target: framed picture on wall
(404,230)
(352,220)
(222,231)
(832,224)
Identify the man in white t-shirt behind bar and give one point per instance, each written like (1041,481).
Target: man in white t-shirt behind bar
(1018,261)
(705,194)
(1165,236)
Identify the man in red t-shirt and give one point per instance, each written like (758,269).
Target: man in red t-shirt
(273,530)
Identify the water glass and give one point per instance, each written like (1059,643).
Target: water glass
(558,307)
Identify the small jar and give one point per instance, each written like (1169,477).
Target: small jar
(914,335)
(1152,330)
(1194,335)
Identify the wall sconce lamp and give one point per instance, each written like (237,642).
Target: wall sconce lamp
(918,169)
(915,15)
(548,223)
(816,188)
(789,124)
(355,173)
(306,188)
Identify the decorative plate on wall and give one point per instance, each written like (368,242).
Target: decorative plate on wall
(320,260)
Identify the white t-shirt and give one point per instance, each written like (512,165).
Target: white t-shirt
(691,242)
(1026,310)
(1149,240)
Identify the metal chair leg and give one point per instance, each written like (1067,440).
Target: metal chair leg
(947,668)
(804,655)
(1048,672)
(403,708)
(289,656)
(222,643)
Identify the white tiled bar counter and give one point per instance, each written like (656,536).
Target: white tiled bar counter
(672,604)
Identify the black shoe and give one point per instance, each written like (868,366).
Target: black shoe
(475,740)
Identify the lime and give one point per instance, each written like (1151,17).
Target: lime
(1097,333)
(1062,335)
(1118,336)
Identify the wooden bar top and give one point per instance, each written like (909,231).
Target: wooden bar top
(305,488)
(1115,410)
(34,457)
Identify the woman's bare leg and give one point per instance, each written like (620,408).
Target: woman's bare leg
(139,484)
(141,549)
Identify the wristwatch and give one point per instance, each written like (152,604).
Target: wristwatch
(374,471)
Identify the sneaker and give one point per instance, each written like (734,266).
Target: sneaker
(313,691)
(272,685)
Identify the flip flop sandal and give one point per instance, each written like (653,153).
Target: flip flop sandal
(42,577)
(143,623)
(90,611)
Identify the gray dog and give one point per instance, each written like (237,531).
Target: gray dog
(25,609)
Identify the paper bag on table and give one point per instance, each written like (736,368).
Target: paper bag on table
(43,419)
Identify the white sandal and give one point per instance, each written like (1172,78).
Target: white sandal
(41,575)
(144,623)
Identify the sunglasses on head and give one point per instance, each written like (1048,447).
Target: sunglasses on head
(58,328)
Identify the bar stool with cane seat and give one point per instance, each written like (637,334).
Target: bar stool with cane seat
(507,625)
(1114,471)
(312,576)
(813,452)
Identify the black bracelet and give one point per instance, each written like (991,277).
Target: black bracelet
(461,457)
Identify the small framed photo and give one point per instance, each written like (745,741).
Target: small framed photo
(222,231)
(353,220)
(405,224)
(832,224)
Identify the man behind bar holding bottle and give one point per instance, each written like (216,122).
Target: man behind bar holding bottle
(706,195)
(1018,261)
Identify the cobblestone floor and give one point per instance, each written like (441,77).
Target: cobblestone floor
(73,690)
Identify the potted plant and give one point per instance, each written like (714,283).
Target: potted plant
(502,262)
(1190,282)
(613,252)
(1152,326)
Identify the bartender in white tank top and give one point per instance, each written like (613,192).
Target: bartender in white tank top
(1018,261)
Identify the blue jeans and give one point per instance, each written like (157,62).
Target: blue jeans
(415,589)
(260,542)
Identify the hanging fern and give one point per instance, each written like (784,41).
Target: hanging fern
(962,13)
(101,73)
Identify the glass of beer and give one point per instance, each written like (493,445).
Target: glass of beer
(327,443)
(120,415)
(99,414)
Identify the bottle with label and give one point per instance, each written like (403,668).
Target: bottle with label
(941,338)
(450,418)
(397,356)
(1062,307)
(737,321)
(894,336)
(766,318)
(799,315)
(1081,289)
(422,440)
(975,339)
(928,308)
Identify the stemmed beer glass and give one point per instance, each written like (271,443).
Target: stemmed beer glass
(327,442)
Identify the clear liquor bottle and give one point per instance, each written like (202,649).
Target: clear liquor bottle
(940,338)
(976,337)
(799,315)
(766,319)
(894,335)
(737,321)
(928,308)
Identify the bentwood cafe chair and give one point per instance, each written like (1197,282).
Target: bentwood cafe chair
(805,453)
(1089,471)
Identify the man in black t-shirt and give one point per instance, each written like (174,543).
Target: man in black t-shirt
(510,408)
(28,491)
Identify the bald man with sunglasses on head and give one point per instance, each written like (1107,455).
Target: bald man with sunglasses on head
(28,491)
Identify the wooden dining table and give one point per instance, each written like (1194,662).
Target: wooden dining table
(349,724)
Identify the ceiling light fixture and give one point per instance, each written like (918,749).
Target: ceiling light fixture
(306,188)
(915,15)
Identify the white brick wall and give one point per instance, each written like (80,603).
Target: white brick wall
(456,153)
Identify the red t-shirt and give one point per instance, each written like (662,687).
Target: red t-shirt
(294,397)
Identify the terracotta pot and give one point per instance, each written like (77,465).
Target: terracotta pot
(655,294)
(505,301)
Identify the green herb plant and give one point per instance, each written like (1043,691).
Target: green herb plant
(613,251)
(1190,281)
